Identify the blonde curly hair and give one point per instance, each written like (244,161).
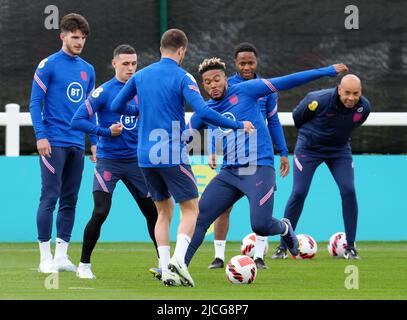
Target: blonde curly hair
(211,64)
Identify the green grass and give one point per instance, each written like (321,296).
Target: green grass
(121,270)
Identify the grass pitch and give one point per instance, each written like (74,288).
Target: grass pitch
(122,273)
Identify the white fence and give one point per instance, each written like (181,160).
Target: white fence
(12,119)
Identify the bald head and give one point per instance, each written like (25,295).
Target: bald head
(350,90)
(351,80)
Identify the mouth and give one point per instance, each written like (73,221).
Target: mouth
(215,93)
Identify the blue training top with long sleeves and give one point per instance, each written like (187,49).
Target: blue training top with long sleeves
(61,84)
(268,108)
(123,146)
(240,102)
(325,124)
(162,89)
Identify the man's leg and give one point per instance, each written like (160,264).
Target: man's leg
(106,176)
(343,172)
(149,210)
(304,169)
(165,208)
(134,181)
(102,203)
(71,181)
(218,196)
(221,228)
(259,188)
(51,179)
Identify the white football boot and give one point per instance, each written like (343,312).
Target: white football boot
(47,266)
(84,271)
(171,279)
(182,270)
(64,264)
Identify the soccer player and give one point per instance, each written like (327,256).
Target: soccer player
(247,167)
(325,120)
(245,56)
(162,88)
(116,154)
(61,83)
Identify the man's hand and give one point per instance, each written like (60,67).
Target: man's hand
(284,166)
(92,157)
(341,68)
(248,127)
(212,161)
(116,129)
(44,148)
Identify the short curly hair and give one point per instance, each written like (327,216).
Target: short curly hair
(245,47)
(211,64)
(73,21)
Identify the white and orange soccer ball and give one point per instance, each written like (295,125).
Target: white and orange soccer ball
(241,270)
(248,245)
(337,244)
(307,247)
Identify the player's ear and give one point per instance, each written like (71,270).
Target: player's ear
(114,63)
(62,36)
(181,51)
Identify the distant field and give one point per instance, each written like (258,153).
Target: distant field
(122,273)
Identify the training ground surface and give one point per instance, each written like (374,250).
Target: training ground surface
(122,273)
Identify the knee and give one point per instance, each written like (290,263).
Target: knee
(262,229)
(49,201)
(299,193)
(102,206)
(348,191)
(68,200)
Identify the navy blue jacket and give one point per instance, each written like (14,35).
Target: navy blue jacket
(325,124)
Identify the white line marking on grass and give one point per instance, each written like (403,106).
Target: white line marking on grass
(80,288)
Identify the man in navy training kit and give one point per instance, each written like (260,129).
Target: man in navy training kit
(116,154)
(234,180)
(61,84)
(162,89)
(245,56)
(325,120)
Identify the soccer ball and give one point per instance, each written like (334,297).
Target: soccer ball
(241,269)
(307,247)
(337,244)
(248,245)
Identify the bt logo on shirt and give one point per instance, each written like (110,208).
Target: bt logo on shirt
(128,122)
(75,92)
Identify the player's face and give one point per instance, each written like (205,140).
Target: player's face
(73,42)
(215,83)
(246,64)
(350,93)
(125,66)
